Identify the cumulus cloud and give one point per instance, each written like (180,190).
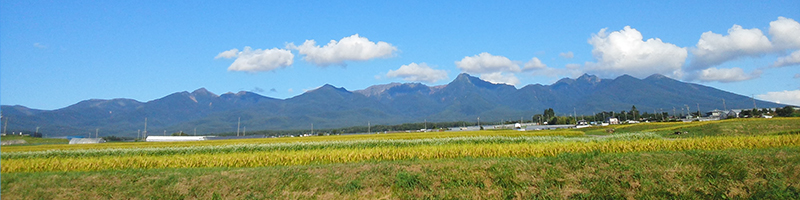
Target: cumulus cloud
(418,73)
(725,75)
(352,48)
(625,52)
(258,60)
(534,64)
(501,78)
(486,63)
(792,59)
(785,33)
(791,97)
(714,49)
(568,55)
(228,54)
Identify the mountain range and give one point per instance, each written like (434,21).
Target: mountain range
(465,98)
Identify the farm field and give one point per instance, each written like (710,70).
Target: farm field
(742,158)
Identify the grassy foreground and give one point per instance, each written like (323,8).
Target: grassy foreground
(755,174)
(742,158)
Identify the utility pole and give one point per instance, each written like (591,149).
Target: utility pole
(312,128)
(165,132)
(575,115)
(138,133)
(144,134)
(698,110)
(5,126)
(751,96)
(724,107)
(237,126)
(96,131)
(479,123)
(245,131)
(369,128)
(37,131)
(687,109)
(195,131)
(426,125)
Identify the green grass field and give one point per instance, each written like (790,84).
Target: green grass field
(35,140)
(742,158)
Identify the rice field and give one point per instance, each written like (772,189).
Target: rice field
(406,147)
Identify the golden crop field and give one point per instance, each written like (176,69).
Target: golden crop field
(384,150)
(712,160)
(390,136)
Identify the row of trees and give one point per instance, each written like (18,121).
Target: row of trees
(786,111)
(549,116)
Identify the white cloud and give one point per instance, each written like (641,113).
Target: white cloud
(785,97)
(792,59)
(725,75)
(258,60)
(571,70)
(486,63)
(418,73)
(713,49)
(353,48)
(796,75)
(785,33)
(39,45)
(228,54)
(572,66)
(534,64)
(567,55)
(499,77)
(625,52)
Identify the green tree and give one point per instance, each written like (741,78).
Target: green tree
(553,121)
(786,111)
(549,113)
(179,134)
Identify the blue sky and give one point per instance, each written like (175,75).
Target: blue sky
(57,53)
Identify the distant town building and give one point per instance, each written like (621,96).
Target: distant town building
(612,120)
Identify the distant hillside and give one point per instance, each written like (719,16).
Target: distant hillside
(465,98)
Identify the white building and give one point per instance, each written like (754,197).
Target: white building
(612,120)
(174,138)
(86,140)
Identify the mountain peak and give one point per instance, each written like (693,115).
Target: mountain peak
(377,89)
(466,78)
(626,77)
(589,78)
(203,92)
(656,77)
(330,87)
(463,76)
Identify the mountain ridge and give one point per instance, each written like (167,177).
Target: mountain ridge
(465,98)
